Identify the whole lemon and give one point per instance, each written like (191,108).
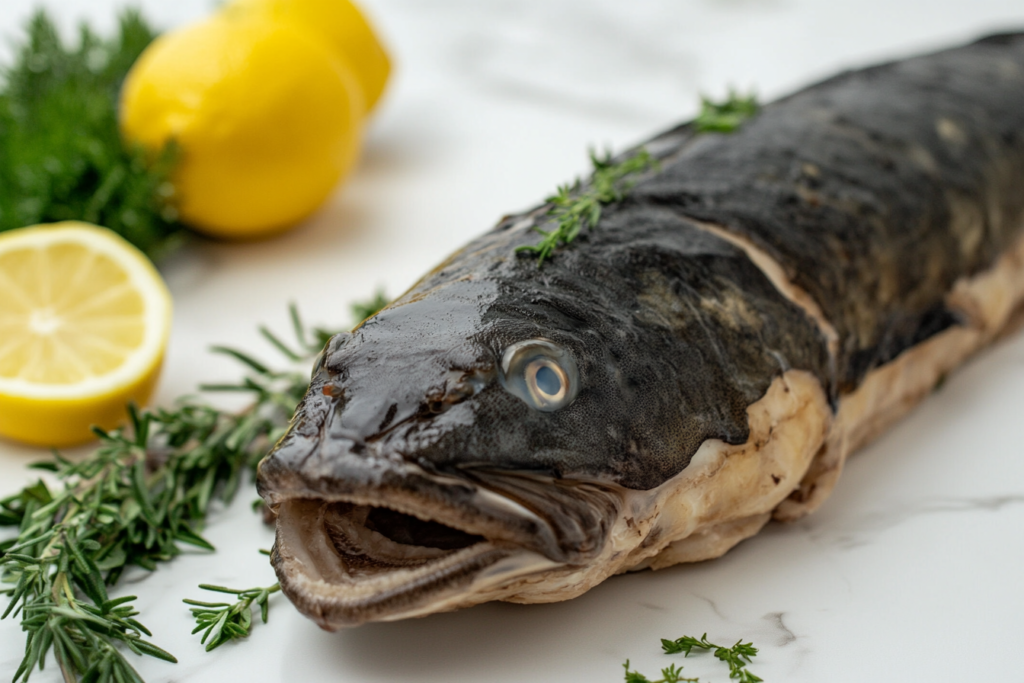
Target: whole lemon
(345,30)
(266,120)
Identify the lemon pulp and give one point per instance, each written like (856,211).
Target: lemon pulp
(84,320)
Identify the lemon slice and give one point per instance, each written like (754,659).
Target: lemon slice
(84,320)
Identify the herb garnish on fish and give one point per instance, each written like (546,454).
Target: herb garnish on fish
(727,116)
(578,206)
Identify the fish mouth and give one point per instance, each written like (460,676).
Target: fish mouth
(420,543)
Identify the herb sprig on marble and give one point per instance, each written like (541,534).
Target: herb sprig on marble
(135,501)
(222,622)
(578,206)
(736,657)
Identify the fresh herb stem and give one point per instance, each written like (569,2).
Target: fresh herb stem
(143,493)
(670,674)
(728,115)
(222,622)
(737,656)
(578,206)
(61,154)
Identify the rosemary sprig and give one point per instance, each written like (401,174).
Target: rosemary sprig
(143,493)
(726,116)
(578,206)
(737,656)
(670,674)
(61,154)
(221,622)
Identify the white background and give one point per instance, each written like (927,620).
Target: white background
(910,572)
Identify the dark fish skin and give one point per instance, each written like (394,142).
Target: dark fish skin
(875,191)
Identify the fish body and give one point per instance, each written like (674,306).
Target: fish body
(759,304)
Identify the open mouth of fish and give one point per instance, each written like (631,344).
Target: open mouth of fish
(432,543)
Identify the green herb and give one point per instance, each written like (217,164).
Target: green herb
(737,656)
(578,206)
(671,674)
(727,116)
(221,621)
(363,310)
(143,493)
(61,155)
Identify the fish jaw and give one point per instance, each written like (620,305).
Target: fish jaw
(414,543)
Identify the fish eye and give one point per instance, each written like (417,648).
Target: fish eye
(540,373)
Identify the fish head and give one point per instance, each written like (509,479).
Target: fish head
(445,449)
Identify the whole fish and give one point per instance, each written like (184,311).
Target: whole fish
(757,306)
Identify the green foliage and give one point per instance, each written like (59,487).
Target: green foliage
(222,622)
(737,656)
(670,674)
(61,155)
(142,494)
(578,206)
(727,116)
(364,309)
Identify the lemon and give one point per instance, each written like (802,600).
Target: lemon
(266,119)
(84,320)
(345,30)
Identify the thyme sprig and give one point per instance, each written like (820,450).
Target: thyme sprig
(737,656)
(222,622)
(578,206)
(61,154)
(728,115)
(135,501)
(670,674)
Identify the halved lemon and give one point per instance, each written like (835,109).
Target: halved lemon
(84,321)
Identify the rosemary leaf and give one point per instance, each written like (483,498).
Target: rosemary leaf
(222,622)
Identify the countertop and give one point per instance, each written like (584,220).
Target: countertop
(909,572)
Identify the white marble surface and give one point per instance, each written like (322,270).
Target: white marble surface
(910,572)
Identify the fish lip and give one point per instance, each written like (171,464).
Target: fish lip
(407,488)
(312,568)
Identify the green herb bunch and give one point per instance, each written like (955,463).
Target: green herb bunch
(61,155)
(578,206)
(135,501)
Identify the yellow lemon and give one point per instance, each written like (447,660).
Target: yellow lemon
(266,120)
(345,30)
(84,320)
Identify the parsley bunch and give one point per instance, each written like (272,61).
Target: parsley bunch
(61,155)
